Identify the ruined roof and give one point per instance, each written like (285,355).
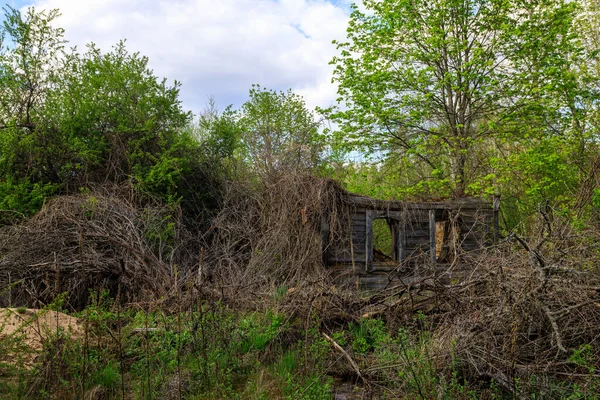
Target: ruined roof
(466,203)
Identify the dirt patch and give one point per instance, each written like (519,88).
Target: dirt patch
(32,328)
(347,391)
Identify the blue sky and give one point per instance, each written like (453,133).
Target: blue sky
(217,47)
(17,3)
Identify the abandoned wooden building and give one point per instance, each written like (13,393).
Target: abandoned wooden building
(423,237)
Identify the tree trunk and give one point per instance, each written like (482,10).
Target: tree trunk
(458,173)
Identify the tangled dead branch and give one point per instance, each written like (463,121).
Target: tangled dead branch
(271,235)
(97,241)
(524,310)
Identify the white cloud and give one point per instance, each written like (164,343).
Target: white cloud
(219,47)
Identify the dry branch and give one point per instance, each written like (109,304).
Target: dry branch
(346,356)
(97,241)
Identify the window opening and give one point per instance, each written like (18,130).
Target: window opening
(383,240)
(447,235)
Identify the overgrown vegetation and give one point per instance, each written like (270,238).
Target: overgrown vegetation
(187,250)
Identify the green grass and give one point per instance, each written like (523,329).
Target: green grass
(212,351)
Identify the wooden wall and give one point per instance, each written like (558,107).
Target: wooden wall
(465,225)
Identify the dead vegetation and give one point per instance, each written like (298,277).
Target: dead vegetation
(271,234)
(99,241)
(264,235)
(524,309)
(526,314)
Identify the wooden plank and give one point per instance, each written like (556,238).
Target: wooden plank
(346,250)
(395,206)
(403,241)
(418,249)
(394,227)
(477,221)
(417,233)
(358,237)
(384,267)
(369,240)
(417,242)
(440,237)
(432,237)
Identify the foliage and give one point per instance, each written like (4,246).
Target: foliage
(382,237)
(208,285)
(210,352)
(218,131)
(69,120)
(278,132)
(433,83)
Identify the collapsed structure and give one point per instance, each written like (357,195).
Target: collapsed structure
(425,237)
(284,233)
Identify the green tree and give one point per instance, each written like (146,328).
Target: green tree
(30,53)
(218,131)
(116,118)
(434,82)
(586,73)
(70,119)
(279,132)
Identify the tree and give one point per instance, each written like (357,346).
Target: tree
(218,131)
(586,73)
(279,132)
(116,118)
(30,52)
(69,120)
(431,81)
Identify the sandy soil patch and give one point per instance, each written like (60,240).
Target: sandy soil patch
(34,327)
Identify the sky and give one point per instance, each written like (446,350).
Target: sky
(217,48)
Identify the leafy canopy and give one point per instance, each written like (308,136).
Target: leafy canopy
(433,81)
(279,132)
(69,120)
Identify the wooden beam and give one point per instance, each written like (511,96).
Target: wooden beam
(432,234)
(368,240)
(369,203)
(393,224)
(495,221)
(402,237)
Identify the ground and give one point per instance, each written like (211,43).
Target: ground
(33,327)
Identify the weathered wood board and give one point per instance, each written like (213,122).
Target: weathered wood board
(424,235)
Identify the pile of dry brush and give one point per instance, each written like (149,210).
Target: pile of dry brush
(524,308)
(100,241)
(262,235)
(272,233)
(527,313)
